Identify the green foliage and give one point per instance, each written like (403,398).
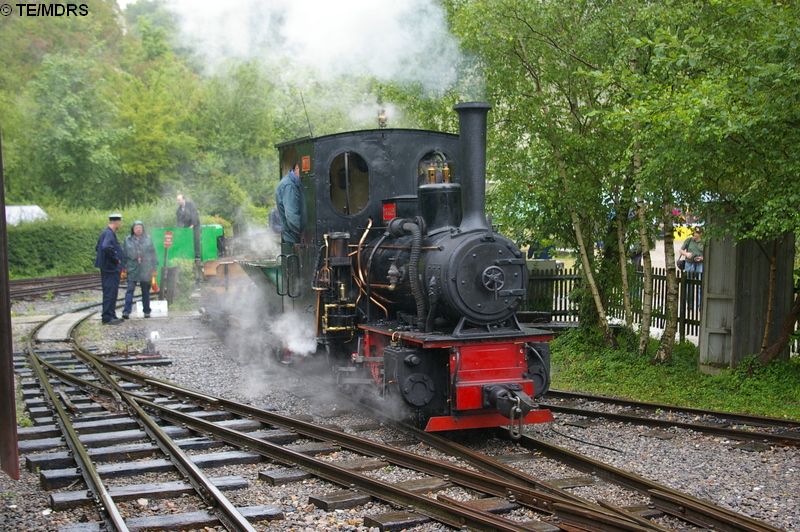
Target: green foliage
(580,362)
(62,245)
(23,420)
(69,149)
(153,111)
(109,111)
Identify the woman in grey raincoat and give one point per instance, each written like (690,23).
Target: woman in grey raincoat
(141,265)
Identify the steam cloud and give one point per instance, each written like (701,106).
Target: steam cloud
(405,41)
(256,332)
(256,241)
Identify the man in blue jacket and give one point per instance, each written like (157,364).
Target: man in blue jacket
(291,208)
(110,259)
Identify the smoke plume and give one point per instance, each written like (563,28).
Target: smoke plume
(405,41)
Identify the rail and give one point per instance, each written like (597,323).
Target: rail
(746,419)
(673,502)
(492,476)
(39,286)
(110,513)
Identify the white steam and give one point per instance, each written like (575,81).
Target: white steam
(296,333)
(257,333)
(404,41)
(258,242)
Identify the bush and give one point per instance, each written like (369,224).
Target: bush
(63,244)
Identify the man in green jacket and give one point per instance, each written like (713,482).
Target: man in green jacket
(692,252)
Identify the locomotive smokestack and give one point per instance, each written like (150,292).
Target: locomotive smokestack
(472,136)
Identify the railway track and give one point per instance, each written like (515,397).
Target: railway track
(133,395)
(735,426)
(36,287)
(663,499)
(107,412)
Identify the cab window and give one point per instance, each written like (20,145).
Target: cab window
(349,183)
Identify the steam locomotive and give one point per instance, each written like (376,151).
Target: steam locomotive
(411,290)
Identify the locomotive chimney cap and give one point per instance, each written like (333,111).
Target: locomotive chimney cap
(473,105)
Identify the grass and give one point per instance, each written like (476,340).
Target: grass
(90,331)
(28,309)
(767,391)
(22,417)
(128,346)
(85,297)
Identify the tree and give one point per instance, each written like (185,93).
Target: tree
(235,125)
(25,42)
(70,133)
(540,61)
(639,106)
(714,108)
(155,107)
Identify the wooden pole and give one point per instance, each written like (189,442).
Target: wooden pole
(9,451)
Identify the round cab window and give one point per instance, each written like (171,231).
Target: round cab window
(349,182)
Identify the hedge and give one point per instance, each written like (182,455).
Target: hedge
(64,243)
(41,249)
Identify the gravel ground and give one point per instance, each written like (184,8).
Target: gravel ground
(764,484)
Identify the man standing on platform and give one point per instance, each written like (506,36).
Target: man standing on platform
(187,216)
(110,258)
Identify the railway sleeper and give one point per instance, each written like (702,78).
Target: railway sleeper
(63,459)
(164,490)
(82,427)
(135,451)
(184,521)
(92,411)
(60,478)
(395,520)
(126,436)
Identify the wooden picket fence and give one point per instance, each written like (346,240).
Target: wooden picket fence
(549,291)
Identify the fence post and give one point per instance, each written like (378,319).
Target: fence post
(682,304)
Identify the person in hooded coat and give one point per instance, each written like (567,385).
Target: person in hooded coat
(141,265)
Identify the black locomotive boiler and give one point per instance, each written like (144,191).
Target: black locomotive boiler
(411,290)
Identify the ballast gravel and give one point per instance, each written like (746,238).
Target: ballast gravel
(762,484)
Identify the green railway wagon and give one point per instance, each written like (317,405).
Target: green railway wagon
(183,244)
